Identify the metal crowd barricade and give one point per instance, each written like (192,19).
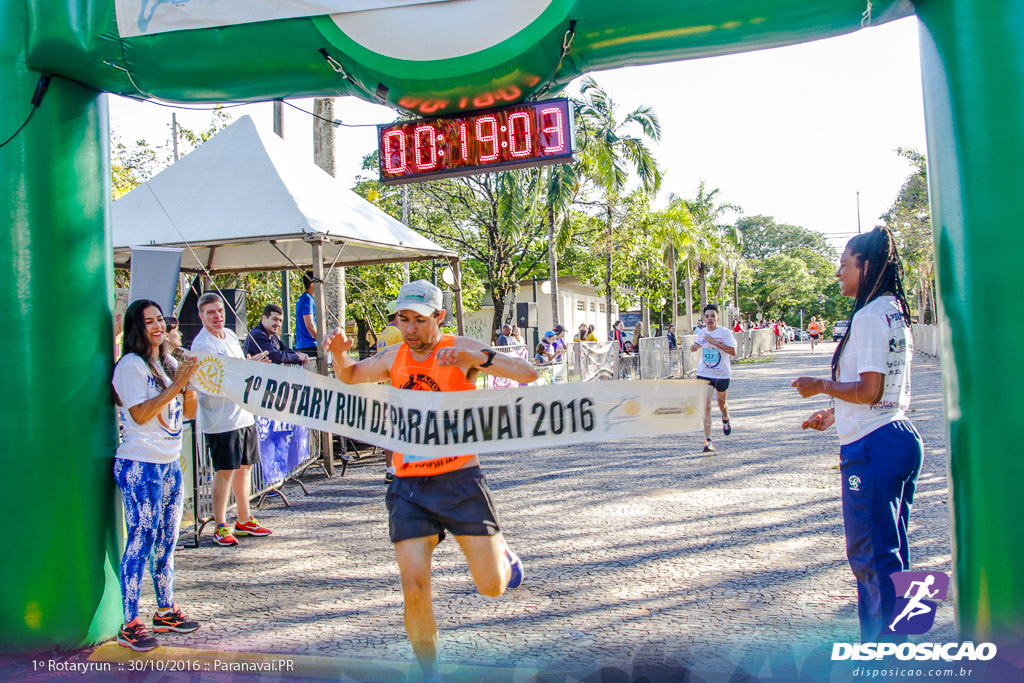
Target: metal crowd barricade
(199,477)
(655,358)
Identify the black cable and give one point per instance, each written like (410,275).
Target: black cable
(37,98)
(333,122)
(148,100)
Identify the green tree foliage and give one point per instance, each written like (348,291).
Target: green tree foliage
(609,151)
(909,218)
(777,283)
(717,245)
(790,267)
(763,236)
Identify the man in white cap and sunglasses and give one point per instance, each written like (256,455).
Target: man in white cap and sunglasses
(429,497)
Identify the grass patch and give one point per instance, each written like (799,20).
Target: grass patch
(756,359)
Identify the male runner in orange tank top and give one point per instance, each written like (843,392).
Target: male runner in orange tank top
(428,497)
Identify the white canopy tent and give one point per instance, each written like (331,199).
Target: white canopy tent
(245,201)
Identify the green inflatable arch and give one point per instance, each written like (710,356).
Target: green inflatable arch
(60,588)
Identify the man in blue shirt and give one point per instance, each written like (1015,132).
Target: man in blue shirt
(305,318)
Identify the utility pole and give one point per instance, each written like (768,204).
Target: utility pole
(286,335)
(323,156)
(858,212)
(174,133)
(405,221)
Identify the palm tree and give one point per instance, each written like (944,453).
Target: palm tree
(674,228)
(706,214)
(608,148)
(562,185)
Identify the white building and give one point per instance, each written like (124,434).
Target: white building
(578,303)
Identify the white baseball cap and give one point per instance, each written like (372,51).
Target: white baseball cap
(420,296)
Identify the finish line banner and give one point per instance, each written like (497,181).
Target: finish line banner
(433,424)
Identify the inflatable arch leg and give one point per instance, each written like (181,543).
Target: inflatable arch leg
(59,580)
(972,55)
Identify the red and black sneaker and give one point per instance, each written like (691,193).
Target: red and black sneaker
(174,620)
(136,636)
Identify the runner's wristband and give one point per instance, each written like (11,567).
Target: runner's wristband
(490,358)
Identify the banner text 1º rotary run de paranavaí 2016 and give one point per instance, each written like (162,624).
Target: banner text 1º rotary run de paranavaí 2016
(431,424)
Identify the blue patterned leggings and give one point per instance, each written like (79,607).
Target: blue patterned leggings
(152,510)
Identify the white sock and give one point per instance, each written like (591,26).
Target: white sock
(392,470)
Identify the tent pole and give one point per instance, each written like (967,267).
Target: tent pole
(458,296)
(321,334)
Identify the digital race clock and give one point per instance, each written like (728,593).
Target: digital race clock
(532,134)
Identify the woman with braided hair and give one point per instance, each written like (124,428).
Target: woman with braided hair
(880,451)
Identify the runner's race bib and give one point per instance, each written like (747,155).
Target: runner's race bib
(711,357)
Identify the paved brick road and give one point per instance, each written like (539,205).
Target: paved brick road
(640,554)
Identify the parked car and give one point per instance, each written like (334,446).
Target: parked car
(839,329)
(801,335)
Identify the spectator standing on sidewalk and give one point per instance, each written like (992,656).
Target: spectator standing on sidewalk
(618,335)
(146,469)
(173,334)
(505,338)
(672,337)
(717,346)
(558,345)
(305,318)
(230,431)
(880,451)
(390,334)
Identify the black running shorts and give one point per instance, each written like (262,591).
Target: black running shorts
(721,385)
(231,450)
(458,501)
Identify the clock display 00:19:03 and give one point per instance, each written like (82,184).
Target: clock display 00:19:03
(532,134)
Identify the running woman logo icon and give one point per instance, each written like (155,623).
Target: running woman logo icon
(914,613)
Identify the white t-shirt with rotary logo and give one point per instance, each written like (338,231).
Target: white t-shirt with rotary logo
(714,363)
(159,439)
(218,415)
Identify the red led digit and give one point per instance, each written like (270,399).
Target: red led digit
(520,142)
(491,138)
(462,140)
(425,146)
(390,138)
(551,126)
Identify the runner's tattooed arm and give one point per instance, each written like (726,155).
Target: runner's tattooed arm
(376,368)
(470,354)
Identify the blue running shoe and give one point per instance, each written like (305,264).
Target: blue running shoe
(516,579)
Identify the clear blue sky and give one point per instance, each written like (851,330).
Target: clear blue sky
(793,132)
